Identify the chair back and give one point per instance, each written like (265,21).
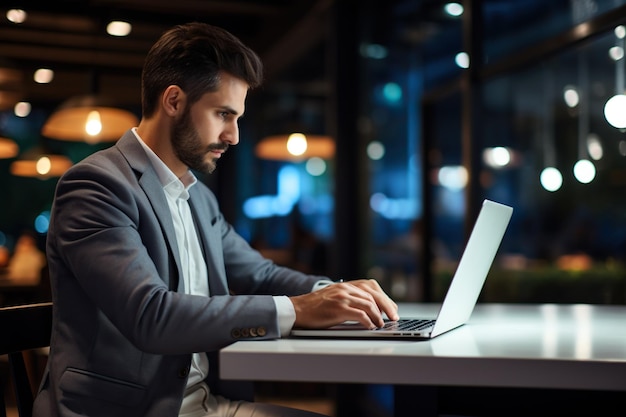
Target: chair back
(22,329)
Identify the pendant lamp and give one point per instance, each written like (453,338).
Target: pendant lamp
(8,148)
(295,147)
(36,163)
(88,118)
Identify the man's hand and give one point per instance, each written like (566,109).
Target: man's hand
(361,300)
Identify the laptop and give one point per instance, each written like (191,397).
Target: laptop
(462,294)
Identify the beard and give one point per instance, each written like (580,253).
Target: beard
(188,146)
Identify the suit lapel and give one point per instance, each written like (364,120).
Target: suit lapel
(149,182)
(208,233)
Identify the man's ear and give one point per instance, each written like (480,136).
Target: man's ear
(173,100)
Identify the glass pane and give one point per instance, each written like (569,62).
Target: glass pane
(510,26)
(566,240)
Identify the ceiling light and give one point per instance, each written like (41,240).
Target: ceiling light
(584,171)
(497,157)
(296,144)
(571,96)
(462,60)
(118,28)
(22,109)
(594,146)
(453,177)
(616,53)
(614,111)
(375,150)
(453,9)
(551,179)
(43,76)
(16,15)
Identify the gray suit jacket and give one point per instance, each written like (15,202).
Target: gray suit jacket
(123,329)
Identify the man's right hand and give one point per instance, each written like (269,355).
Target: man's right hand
(360,300)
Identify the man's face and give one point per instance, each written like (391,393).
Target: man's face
(206,129)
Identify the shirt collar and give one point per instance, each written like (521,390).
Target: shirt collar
(173,186)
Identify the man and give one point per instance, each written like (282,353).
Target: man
(148,279)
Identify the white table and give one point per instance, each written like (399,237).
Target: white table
(548,346)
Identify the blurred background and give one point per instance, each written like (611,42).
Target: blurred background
(410,113)
(407,114)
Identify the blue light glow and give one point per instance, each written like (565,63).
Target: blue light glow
(392,92)
(393,208)
(42,221)
(276,205)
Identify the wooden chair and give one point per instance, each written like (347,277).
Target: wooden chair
(23,328)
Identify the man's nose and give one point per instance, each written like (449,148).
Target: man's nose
(231,135)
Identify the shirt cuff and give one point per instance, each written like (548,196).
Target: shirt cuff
(286,314)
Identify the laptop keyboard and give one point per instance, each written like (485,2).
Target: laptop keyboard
(408,324)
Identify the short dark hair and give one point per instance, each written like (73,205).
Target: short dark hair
(192,56)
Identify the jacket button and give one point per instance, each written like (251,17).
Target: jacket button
(261,331)
(183,373)
(253,332)
(235,334)
(245,333)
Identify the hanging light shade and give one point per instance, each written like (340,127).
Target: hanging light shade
(37,164)
(90,119)
(8,148)
(295,146)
